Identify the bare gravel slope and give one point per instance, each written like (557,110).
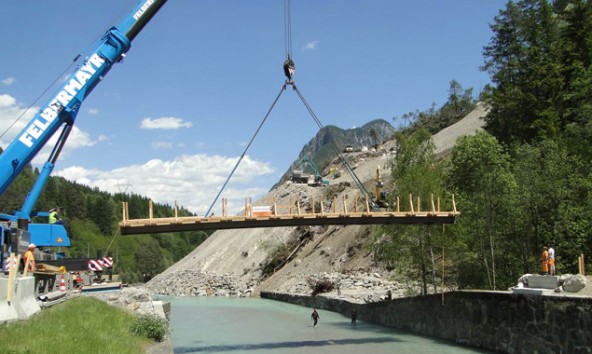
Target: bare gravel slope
(229,262)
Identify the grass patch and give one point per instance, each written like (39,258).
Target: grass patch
(80,325)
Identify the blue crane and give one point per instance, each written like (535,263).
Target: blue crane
(60,112)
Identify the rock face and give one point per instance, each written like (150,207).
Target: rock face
(236,262)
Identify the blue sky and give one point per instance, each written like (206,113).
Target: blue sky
(171,121)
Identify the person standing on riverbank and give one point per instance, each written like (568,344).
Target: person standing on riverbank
(315,317)
(545,261)
(551,260)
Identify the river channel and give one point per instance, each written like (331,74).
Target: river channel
(254,326)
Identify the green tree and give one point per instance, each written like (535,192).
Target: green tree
(101,209)
(484,186)
(149,258)
(417,177)
(524,61)
(554,208)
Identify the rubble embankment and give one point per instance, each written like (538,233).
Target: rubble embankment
(355,286)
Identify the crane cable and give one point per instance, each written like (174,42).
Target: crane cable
(246,149)
(288,49)
(288,28)
(290,81)
(288,44)
(336,150)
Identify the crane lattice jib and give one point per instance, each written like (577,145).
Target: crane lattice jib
(63,107)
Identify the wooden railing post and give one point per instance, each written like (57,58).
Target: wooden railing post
(150,209)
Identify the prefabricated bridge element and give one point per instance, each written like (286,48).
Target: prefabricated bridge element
(290,215)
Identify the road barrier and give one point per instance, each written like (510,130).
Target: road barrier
(18,302)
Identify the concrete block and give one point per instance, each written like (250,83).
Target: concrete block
(527,291)
(7,310)
(162,309)
(25,301)
(543,281)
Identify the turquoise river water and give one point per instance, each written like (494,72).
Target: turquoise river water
(254,326)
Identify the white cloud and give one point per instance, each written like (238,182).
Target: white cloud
(164,123)
(104,138)
(10,122)
(191,180)
(312,45)
(162,145)
(10,111)
(77,139)
(93,111)
(8,81)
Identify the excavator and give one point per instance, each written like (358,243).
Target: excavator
(380,196)
(59,113)
(300,176)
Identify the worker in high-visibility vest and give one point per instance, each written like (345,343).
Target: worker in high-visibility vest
(54,217)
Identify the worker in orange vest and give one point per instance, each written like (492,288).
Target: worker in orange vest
(545,261)
(29,256)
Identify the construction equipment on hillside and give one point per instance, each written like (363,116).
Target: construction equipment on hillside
(299,174)
(380,196)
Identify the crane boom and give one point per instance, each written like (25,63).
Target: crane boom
(60,112)
(63,107)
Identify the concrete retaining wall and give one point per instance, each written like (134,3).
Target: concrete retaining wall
(498,321)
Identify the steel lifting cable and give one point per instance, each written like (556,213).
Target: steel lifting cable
(245,151)
(288,48)
(288,28)
(288,44)
(336,150)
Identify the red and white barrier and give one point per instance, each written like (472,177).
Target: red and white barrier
(98,265)
(6,264)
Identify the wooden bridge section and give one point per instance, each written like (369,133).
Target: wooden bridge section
(291,215)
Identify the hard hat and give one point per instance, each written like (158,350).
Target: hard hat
(32,245)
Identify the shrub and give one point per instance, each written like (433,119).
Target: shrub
(320,286)
(152,327)
(275,259)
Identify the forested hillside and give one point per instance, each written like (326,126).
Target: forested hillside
(525,182)
(92,218)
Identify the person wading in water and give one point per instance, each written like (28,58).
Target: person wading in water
(315,317)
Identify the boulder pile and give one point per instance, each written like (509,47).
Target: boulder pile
(356,286)
(201,283)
